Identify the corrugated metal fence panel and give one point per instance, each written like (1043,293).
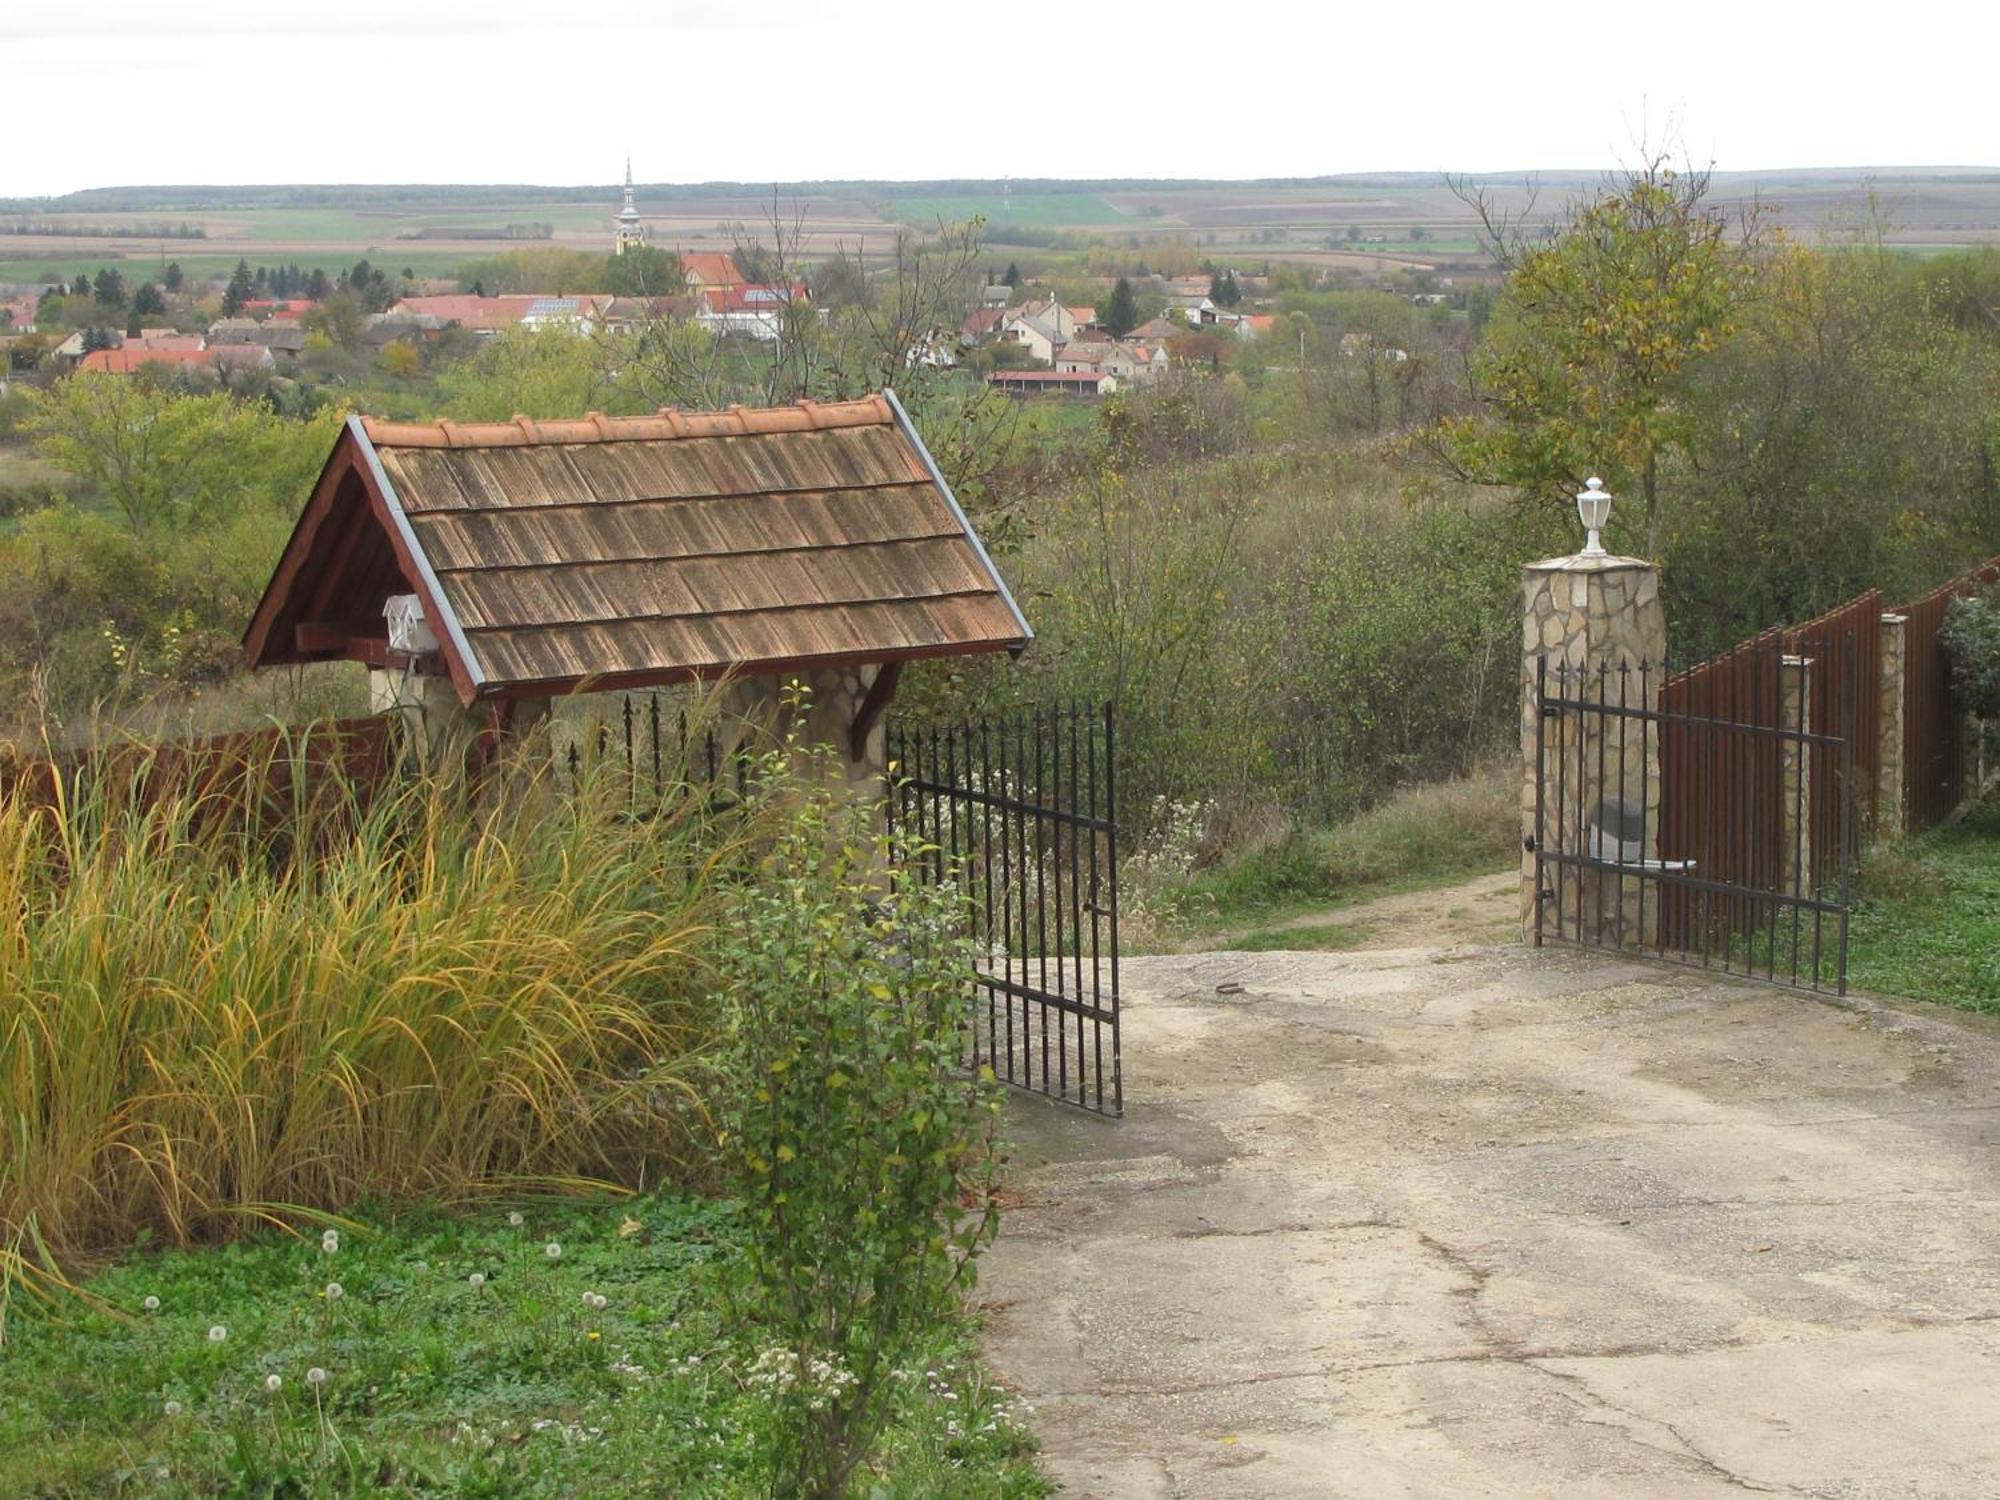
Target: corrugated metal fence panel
(1719,793)
(1845,648)
(1933,721)
(258,781)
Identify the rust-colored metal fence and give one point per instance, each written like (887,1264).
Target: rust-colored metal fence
(269,782)
(1844,646)
(1735,884)
(1729,800)
(1934,747)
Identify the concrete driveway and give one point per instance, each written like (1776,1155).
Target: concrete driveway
(1492,1222)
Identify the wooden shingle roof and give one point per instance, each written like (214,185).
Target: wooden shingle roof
(630,551)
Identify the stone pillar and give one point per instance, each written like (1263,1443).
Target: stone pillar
(833,702)
(1795,830)
(1891,806)
(426,700)
(1597,623)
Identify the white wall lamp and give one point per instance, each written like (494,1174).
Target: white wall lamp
(1594,506)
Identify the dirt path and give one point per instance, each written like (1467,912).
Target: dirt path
(1478,912)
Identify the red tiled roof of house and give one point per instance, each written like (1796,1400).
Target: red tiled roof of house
(125,361)
(711,268)
(469,311)
(748,298)
(982,322)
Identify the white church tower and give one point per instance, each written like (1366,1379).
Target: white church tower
(631,228)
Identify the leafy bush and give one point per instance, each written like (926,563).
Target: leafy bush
(1971,639)
(855,1141)
(195,1034)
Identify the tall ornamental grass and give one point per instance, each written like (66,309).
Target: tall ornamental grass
(213,1014)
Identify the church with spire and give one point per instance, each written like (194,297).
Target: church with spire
(631,228)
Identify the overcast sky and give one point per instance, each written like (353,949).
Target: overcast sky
(103,92)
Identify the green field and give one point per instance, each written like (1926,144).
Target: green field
(137,268)
(1050,210)
(363,226)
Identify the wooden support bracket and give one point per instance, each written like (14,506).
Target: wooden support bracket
(880,691)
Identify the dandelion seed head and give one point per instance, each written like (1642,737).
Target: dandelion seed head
(151,1304)
(217,1334)
(274,1383)
(516,1219)
(334,1291)
(477,1280)
(552,1250)
(172,1408)
(315,1376)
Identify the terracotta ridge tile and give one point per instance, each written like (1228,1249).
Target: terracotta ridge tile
(596,427)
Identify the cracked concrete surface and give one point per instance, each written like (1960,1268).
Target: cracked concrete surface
(1497,1222)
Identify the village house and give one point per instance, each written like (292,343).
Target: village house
(1194,309)
(278,307)
(756,312)
(379,330)
(17,314)
(996,296)
(285,336)
(1040,327)
(475,314)
(134,355)
(1086,384)
(629,314)
(705,270)
(982,324)
(1157,331)
(490,315)
(1130,363)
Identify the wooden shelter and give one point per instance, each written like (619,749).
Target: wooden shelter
(626,552)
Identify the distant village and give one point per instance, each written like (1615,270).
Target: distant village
(1021,339)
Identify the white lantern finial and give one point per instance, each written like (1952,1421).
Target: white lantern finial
(1594,507)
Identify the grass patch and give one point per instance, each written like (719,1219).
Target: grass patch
(436,1386)
(1926,919)
(1417,839)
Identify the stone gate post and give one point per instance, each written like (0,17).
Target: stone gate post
(1597,623)
(1891,814)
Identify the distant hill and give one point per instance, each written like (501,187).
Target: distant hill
(220,197)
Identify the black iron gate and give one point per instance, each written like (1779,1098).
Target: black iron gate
(1018,812)
(1723,842)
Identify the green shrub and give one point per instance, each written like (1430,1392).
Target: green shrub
(854,1138)
(1971,639)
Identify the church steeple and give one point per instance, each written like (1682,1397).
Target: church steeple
(631,228)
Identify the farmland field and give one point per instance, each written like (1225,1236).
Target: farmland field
(1053,210)
(1328,222)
